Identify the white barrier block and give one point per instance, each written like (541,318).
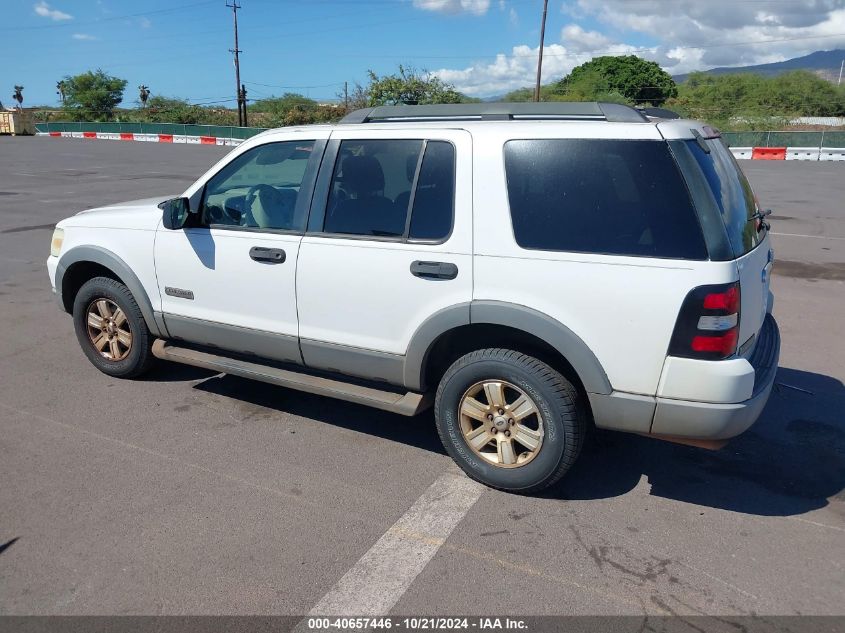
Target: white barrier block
(742,153)
(191,139)
(109,136)
(832,153)
(72,134)
(802,153)
(180,138)
(147,137)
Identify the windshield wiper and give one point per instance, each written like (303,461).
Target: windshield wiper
(761,216)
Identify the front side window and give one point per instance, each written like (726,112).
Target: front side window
(614,197)
(260,188)
(401,189)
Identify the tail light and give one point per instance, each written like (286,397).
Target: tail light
(708,323)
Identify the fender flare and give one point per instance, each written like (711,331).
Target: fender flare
(104,257)
(512,315)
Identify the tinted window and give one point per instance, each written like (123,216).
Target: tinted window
(601,196)
(371,187)
(434,199)
(259,188)
(732,192)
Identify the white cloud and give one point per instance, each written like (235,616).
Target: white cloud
(476,7)
(43,9)
(576,38)
(513,16)
(687,35)
(696,35)
(83,36)
(509,72)
(145,23)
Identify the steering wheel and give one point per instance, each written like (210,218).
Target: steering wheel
(277,207)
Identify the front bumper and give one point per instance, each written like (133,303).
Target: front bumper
(716,421)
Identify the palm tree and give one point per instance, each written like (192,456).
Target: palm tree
(144,93)
(60,90)
(18,96)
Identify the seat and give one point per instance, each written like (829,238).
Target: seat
(366,211)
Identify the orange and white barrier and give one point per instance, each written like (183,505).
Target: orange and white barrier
(150,138)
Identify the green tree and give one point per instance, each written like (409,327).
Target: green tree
(410,86)
(625,78)
(294,109)
(93,95)
(753,100)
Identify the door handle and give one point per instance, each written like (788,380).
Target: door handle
(269,255)
(434,270)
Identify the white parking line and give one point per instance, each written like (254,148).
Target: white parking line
(815,237)
(382,575)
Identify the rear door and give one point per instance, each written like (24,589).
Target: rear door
(389,243)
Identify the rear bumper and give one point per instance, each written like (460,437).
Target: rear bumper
(719,421)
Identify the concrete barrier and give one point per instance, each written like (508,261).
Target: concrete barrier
(768,153)
(832,153)
(742,153)
(802,153)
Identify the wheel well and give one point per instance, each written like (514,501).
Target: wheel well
(467,338)
(76,275)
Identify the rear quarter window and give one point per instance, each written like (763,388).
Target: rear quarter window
(732,192)
(614,197)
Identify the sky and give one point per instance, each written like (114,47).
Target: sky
(180,48)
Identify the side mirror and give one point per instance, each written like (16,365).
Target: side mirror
(175,213)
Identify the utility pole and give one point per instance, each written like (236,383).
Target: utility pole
(540,57)
(241,106)
(346,96)
(243,100)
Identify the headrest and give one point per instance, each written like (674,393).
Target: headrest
(362,175)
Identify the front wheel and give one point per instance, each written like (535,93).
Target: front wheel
(111,329)
(509,420)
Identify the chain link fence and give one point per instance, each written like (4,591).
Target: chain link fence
(785,139)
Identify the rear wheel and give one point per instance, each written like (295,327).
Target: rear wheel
(509,420)
(111,329)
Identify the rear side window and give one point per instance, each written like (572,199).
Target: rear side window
(434,197)
(613,197)
(402,189)
(732,192)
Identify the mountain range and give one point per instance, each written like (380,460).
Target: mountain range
(827,64)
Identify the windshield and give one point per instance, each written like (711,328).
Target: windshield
(732,192)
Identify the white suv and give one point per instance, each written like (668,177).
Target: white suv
(534,267)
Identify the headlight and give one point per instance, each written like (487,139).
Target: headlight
(56,244)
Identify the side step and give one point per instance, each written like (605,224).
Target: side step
(409,404)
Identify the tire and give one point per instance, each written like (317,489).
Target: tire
(126,360)
(558,420)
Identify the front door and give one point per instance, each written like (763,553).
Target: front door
(228,279)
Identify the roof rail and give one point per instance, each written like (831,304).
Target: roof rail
(659,113)
(548,110)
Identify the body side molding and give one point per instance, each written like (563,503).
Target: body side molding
(104,257)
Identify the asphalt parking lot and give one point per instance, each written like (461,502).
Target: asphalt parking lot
(194,493)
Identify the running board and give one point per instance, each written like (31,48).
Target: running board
(409,404)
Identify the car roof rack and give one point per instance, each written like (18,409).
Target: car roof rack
(548,110)
(660,113)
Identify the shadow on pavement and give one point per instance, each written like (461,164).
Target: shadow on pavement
(418,432)
(790,462)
